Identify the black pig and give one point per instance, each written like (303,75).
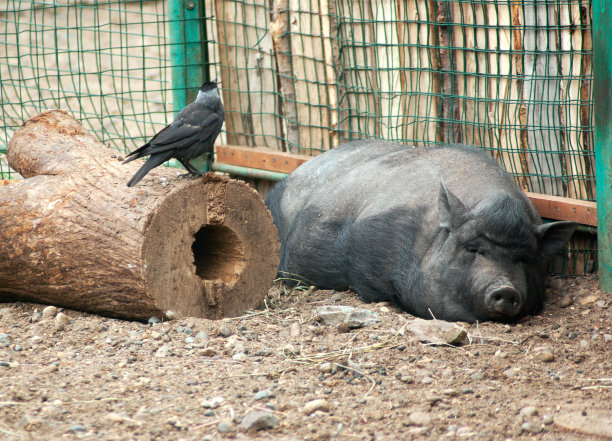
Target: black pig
(443,231)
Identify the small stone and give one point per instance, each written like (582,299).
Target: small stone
(343,328)
(325,367)
(545,356)
(61,321)
(607,337)
(225,427)
(314,405)
(588,300)
(163,351)
(18,348)
(263,395)
(333,315)
(207,352)
(224,331)
(416,431)
(419,418)
(433,399)
(294,330)
(595,422)
(601,304)
(5,339)
(477,376)
(531,427)
(528,411)
(153,320)
(437,332)
(572,335)
(258,420)
(336,297)
(36,339)
(202,335)
(361,318)
(48,369)
(212,403)
(49,312)
(78,428)
(465,431)
(565,301)
(511,373)
(450,392)
(240,356)
(547,420)
(555,283)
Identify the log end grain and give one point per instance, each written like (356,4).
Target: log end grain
(210,250)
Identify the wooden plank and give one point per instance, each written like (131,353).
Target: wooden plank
(309,75)
(419,80)
(388,69)
(470,60)
(561,208)
(357,63)
(259,158)
(571,72)
(246,72)
(540,97)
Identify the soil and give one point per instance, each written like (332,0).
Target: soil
(75,375)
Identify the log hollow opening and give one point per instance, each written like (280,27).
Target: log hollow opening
(218,253)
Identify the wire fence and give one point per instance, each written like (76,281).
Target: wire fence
(106,62)
(513,77)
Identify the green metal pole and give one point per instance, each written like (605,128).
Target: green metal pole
(189,56)
(602,97)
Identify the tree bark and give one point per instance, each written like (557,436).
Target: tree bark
(73,234)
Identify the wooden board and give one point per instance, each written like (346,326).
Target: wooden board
(561,208)
(260,158)
(246,71)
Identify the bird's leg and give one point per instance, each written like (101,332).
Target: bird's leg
(193,172)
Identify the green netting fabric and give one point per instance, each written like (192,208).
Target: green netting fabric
(106,62)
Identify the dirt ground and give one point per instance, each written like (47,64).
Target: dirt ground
(71,375)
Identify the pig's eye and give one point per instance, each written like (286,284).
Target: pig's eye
(476,250)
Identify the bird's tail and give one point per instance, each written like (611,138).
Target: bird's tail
(152,162)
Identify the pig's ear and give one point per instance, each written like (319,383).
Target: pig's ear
(553,237)
(451,209)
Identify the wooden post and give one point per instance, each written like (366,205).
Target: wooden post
(72,234)
(602,95)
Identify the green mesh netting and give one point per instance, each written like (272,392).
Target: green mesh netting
(107,63)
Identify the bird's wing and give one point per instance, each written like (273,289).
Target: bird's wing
(209,126)
(176,136)
(176,133)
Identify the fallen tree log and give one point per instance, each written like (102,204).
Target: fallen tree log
(73,234)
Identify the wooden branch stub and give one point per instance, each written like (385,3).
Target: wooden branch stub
(72,234)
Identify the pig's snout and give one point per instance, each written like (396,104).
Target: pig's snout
(503,301)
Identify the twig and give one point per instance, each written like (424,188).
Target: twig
(253,314)
(9,403)
(360,372)
(8,432)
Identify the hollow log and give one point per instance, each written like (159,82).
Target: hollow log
(73,234)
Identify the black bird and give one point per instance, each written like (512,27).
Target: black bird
(191,134)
